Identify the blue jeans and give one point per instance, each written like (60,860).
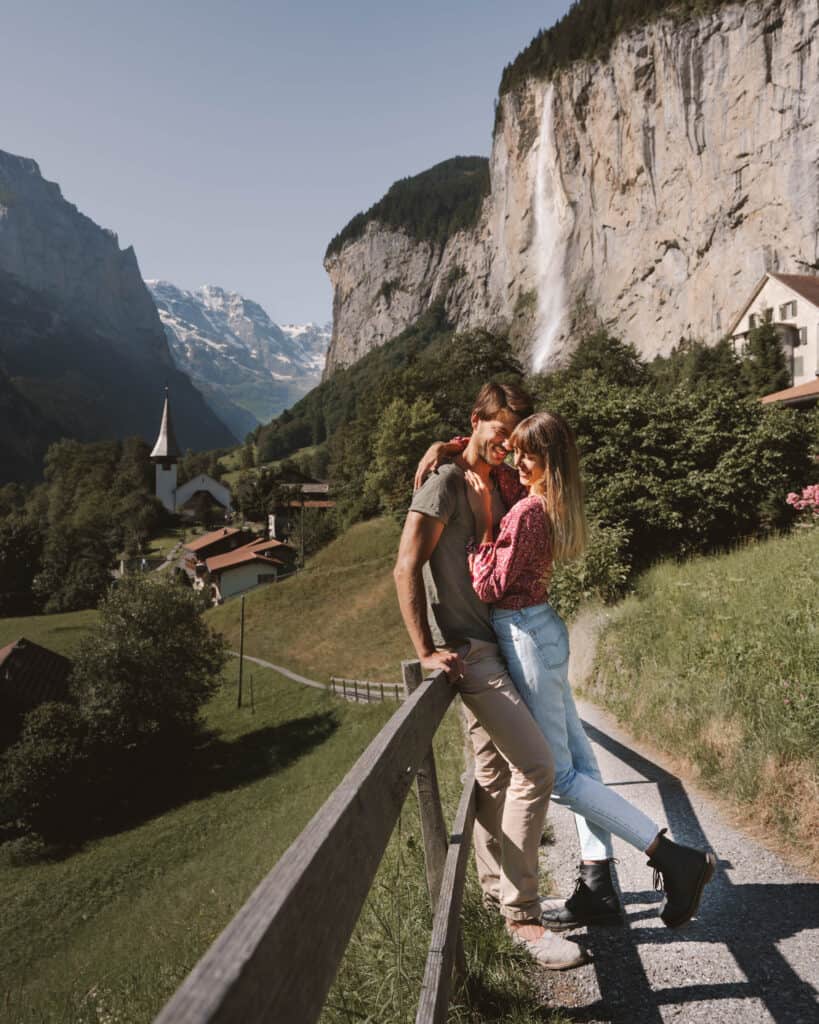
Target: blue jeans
(534,642)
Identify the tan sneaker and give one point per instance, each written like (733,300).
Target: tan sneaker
(551,951)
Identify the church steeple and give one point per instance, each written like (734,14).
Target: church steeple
(165,455)
(166,450)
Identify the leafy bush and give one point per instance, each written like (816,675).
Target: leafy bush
(150,665)
(602,572)
(686,471)
(693,363)
(138,685)
(43,774)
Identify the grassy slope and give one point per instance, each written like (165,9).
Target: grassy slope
(61,633)
(717,661)
(291,624)
(107,934)
(114,928)
(178,878)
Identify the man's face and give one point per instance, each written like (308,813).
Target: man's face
(493,435)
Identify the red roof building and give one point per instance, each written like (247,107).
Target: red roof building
(217,542)
(31,675)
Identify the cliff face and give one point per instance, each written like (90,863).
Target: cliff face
(650,191)
(82,351)
(52,248)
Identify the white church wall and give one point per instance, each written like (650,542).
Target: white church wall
(204,483)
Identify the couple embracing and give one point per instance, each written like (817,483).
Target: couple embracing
(472,575)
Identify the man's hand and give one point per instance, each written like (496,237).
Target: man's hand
(449,661)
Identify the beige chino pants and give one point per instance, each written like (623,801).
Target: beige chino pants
(514,771)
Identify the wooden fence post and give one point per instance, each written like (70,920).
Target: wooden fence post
(429,799)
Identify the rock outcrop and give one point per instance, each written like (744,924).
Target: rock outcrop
(650,192)
(82,349)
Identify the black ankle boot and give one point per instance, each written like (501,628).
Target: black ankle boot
(685,872)
(594,902)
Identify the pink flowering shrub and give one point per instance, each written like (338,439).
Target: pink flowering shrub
(807,501)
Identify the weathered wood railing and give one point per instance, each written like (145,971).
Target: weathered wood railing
(277,958)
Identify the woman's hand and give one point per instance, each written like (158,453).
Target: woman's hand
(480,501)
(433,457)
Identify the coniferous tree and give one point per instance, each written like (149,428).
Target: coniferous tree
(765,367)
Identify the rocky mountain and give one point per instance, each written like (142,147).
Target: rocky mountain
(248,367)
(649,190)
(82,351)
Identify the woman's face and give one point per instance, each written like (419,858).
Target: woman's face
(531,468)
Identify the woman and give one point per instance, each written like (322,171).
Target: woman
(511,571)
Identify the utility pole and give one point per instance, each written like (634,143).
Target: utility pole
(301,531)
(241,651)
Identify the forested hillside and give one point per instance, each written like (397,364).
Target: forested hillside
(432,205)
(587,31)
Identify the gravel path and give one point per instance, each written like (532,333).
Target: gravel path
(752,954)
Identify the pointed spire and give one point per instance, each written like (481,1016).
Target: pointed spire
(166,448)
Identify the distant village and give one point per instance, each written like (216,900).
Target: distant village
(232,559)
(222,563)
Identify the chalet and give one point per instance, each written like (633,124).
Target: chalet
(791,303)
(217,542)
(31,675)
(297,496)
(237,571)
(272,548)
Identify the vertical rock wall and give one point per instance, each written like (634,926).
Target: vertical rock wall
(679,170)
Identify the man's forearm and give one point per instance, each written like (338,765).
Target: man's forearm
(409,584)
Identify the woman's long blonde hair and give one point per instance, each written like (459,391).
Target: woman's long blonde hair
(561,487)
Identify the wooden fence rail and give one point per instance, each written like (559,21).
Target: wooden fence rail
(366,689)
(271,963)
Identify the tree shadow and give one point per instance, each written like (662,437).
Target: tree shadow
(749,921)
(143,785)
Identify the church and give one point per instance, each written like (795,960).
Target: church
(165,455)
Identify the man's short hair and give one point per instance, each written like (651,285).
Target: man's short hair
(493,397)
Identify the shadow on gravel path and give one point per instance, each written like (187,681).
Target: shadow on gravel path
(748,921)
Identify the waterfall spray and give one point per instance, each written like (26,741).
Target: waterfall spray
(554,220)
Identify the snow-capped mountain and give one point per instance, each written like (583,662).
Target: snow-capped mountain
(248,367)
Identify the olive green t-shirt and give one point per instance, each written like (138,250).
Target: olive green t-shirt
(454,609)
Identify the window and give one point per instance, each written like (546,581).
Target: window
(798,367)
(793,308)
(783,311)
(767,315)
(752,321)
(803,335)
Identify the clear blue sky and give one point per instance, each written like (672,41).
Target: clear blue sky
(228,142)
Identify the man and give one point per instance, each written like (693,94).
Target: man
(450,630)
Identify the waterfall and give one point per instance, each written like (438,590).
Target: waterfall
(554,220)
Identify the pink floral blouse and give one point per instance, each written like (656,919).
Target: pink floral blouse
(514,571)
